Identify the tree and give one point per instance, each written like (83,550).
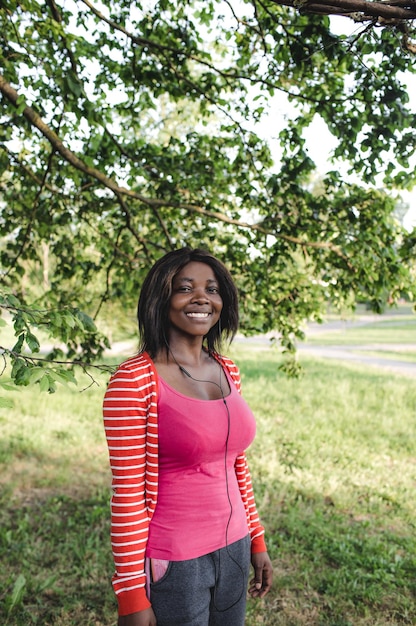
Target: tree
(397,13)
(127,130)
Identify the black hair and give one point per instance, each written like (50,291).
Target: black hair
(154,300)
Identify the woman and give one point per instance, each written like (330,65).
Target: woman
(184,521)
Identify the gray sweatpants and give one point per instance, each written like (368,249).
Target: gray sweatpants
(207,591)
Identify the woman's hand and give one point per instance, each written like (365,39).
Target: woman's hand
(141,618)
(263,575)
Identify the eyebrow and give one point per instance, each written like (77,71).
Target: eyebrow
(184,279)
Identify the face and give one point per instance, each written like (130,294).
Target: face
(195,304)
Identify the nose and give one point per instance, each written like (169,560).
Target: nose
(199,296)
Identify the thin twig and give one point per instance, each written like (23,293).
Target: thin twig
(36,359)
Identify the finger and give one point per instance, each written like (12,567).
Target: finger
(266,583)
(256,584)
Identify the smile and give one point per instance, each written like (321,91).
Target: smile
(198,315)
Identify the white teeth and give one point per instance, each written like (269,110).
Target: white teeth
(200,315)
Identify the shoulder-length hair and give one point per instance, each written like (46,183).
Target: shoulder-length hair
(155,295)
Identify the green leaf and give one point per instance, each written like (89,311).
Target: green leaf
(19,344)
(12,300)
(17,594)
(62,377)
(44,383)
(7,384)
(32,342)
(36,373)
(21,104)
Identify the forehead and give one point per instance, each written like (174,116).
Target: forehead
(196,271)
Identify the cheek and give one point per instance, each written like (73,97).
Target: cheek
(175,304)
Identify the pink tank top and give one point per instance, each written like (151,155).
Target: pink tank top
(199,507)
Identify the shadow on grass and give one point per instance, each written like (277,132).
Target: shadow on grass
(333,568)
(56,562)
(330,568)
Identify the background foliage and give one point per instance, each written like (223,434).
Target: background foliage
(127,130)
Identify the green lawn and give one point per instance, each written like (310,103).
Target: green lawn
(334,468)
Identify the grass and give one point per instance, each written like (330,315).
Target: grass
(334,468)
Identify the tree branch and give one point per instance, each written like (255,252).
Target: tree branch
(35,359)
(148,43)
(11,94)
(28,171)
(395,10)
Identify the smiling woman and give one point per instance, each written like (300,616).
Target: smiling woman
(196,303)
(184,520)
(157,292)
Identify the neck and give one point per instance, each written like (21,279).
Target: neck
(189,359)
(189,353)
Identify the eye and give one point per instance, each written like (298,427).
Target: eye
(213,290)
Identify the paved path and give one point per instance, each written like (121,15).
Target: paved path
(348,353)
(352,353)
(356,352)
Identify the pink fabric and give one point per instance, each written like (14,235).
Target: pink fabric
(193,514)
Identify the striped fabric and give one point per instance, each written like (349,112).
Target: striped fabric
(131,421)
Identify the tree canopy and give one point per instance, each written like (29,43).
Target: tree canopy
(129,129)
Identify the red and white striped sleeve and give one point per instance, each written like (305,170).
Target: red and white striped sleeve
(256,530)
(130,422)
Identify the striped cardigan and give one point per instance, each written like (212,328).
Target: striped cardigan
(131,425)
